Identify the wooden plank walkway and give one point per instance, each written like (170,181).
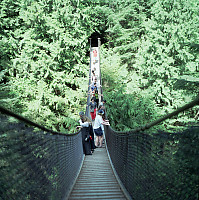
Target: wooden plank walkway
(96,179)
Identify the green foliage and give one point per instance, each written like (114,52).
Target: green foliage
(44,48)
(128,111)
(149,64)
(44,65)
(126,107)
(156,45)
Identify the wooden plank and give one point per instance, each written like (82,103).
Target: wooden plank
(96,179)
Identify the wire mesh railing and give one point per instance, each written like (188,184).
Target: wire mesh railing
(36,164)
(156,166)
(43,164)
(159,166)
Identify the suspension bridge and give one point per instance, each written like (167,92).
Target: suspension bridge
(41,164)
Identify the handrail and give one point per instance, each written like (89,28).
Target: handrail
(151,124)
(27,121)
(174,113)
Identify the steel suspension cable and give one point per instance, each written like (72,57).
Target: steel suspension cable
(159,165)
(170,115)
(19,117)
(174,113)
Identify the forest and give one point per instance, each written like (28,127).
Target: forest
(149,60)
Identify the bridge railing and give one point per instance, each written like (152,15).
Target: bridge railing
(156,166)
(36,164)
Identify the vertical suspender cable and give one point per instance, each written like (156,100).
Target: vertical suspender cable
(89,83)
(100,89)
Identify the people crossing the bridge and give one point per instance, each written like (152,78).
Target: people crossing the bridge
(95,60)
(99,128)
(99,108)
(92,105)
(85,125)
(96,93)
(94,86)
(93,76)
(103,103)
(93,68)
(54,167)
(95,96)
(95,82)
(103,116)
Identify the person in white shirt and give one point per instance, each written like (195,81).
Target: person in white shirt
(99,128)
(84,121)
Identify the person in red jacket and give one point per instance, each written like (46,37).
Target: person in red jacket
(93,106)
(94,56)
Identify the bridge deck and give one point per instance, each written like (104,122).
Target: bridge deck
(96,179)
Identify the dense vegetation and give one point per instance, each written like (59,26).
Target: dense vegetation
(44,58)
(149,58)
(153,54)
(149,61)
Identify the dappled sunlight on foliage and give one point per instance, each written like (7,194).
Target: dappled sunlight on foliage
(150,50)
(45,64)
(155,47)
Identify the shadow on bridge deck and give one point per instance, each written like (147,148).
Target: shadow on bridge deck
(96,179)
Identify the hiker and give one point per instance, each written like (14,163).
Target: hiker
(97,94)
(85,123)
(99,128)
(95,56)
(93,106)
